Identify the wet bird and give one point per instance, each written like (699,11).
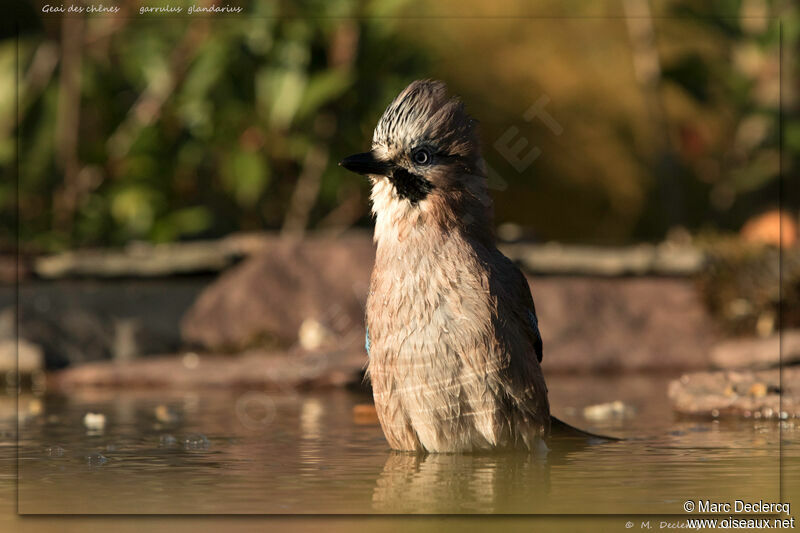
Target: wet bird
(452,333)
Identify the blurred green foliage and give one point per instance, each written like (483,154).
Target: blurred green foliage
(746,87)
(196,127)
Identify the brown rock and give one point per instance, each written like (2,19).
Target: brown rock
(257,368)
(630,324)
(267,298)
(744,394)
(14,267)
(758,353)
(20,355)
(313,291)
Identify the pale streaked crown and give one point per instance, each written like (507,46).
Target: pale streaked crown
(423,115)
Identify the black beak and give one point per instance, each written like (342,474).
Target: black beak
(366,163)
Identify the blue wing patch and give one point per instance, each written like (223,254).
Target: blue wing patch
(534,322)
(366,341)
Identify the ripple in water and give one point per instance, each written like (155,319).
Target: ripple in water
(196,441)
(96,459)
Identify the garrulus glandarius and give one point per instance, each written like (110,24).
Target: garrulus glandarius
(452,335)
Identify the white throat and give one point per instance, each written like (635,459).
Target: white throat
(395,216)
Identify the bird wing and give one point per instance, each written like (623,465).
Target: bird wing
(523,292)
(523,381)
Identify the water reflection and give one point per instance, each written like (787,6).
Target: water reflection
(455,483)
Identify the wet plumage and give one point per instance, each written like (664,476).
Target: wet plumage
(453,339)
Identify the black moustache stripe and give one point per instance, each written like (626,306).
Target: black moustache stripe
(412,187)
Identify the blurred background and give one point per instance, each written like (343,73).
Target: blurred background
(172,217)
(142,127)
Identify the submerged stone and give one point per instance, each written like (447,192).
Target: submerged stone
(196,442)
(167,441)
(166,415)
(744,394)
(609,410)
(96,459)
(55,451)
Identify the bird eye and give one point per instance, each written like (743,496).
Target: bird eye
(421,156)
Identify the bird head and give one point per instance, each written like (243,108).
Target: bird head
(425,161)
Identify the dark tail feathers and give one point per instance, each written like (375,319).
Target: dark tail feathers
(559,428)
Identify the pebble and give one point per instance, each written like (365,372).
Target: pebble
(165,415)
(55,451)
(604,411)
(35,407)
(313,334)
(757,390)
(94,421)
(167,441)
(191,360)
(196,442)
(96,459)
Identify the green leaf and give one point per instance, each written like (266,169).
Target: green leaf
(792,136)
(183,222)
(321,89)
(134,208)
(246,176)
(762,169)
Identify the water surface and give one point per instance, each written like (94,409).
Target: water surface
(241,451)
